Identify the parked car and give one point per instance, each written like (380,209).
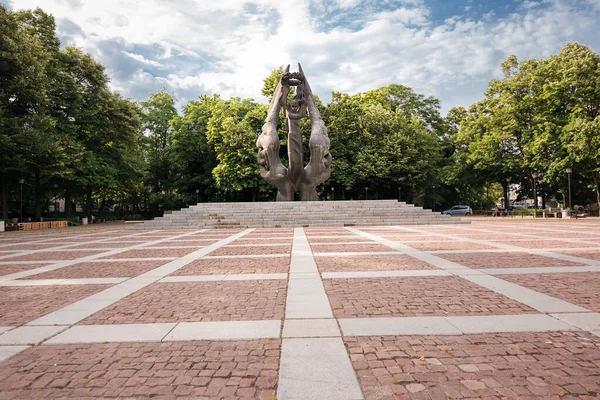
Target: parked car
(458,210)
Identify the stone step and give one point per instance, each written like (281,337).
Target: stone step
(288,214)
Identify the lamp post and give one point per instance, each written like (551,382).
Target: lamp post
(568,171)
(21,181)
(332,193)
(197,192)
(366,193)
(534,176)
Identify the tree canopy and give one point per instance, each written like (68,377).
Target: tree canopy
(66,134)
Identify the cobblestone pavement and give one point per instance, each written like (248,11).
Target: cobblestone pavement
(503,309)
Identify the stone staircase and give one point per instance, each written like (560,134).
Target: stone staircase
(298,214)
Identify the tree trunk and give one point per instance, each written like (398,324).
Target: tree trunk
(543,194)
(88,203)
(38,195)
(506,199)
(68,195)
(4,195)
(597,182)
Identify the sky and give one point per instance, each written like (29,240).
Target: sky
(449,49)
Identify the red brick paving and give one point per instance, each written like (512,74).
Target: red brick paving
(198,301)
(251,250)
(53,255)
(580,288)
(449,245)
(414,238)
(105,245)
(552,365)
(548,244)
(591,254)
(416,296)
(201,369)
(151,253)
(317,240)
(342,248)
(392,262)
(224,266)
(283,241)
(174,243)
(8,269)
(107,269)
(505,260)
(19,305)
(32,246)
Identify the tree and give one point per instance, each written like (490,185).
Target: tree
(192,159)
(158,111)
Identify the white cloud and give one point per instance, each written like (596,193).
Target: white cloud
(143,60)
(229,46)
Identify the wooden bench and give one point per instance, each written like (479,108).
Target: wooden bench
(33,226)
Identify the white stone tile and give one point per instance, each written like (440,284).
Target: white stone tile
(383,274)
(588,321)
(303,328)
(30,334)
(252,277)
(225,330)
(7,352)
(307,299)
(508,323)
(538,301)
(540,270)
(318,369)
(192,278)
(113,333)
(5,328)
(397,326)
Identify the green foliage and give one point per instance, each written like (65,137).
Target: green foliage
(67,135)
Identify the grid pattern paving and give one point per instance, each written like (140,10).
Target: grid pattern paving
(495,309)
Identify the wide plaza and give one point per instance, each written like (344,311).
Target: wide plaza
(504,308)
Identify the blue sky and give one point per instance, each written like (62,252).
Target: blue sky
(449,49)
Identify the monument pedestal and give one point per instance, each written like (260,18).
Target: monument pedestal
(298,214)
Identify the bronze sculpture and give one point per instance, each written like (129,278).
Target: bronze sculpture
(297,178)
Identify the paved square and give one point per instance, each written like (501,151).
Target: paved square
(198,301)
(581,288)
(215,370)
(415,296)
(228,266)
(503,308)
(20,305)
(391,262)
(505,260)
(106,269)
(516,366)
(7,269)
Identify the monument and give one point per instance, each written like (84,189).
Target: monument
(296,178)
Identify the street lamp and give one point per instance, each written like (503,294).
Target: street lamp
(332,193)
(534,176)
(197,191)
(568,171)
(366,193)
(21,181)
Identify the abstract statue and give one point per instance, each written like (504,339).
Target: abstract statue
(297,178)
